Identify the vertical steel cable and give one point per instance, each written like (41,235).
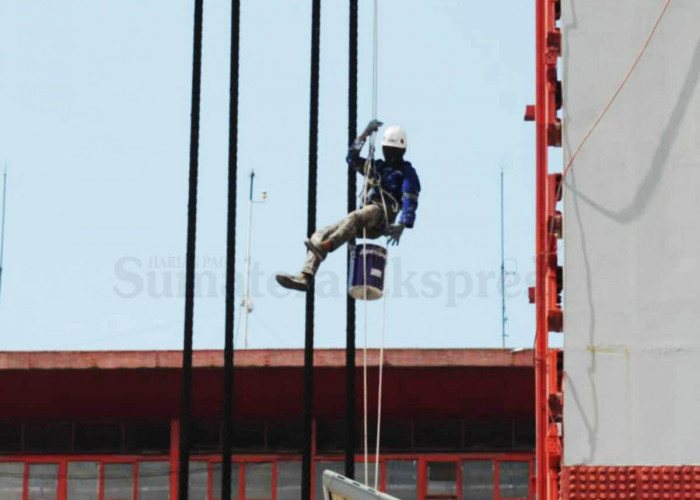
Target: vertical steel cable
(185,423)
(350,369)
(311,226)
(227,448)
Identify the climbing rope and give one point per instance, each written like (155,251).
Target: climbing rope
(227,444)
(381,361)
(365,191)
(370,181)
(185,417)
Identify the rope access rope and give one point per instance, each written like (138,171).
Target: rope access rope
(375,84)
(381,360)
(365,190)
(368,170)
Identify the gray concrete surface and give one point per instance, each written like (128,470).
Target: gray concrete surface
(632,235)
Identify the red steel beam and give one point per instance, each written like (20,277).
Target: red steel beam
(541,249)
(548,314)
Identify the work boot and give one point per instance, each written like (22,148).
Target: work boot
(319,250)
(294,282)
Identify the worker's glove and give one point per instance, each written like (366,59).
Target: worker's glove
(371,127)
(394,233)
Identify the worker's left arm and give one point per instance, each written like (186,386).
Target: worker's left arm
(409,205)
(409,201)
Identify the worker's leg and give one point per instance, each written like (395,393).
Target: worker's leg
(334,236)
(316,256)
(370,217)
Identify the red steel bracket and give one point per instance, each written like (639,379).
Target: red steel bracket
(530,113)
(554,134)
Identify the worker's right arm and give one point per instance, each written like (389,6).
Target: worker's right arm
(355,161)
(363,165)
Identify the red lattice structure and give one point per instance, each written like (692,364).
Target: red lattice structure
(545,295)
(635,483)
(553,480)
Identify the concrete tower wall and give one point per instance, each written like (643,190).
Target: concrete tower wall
(632,235)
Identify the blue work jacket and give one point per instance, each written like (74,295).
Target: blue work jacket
(399,180)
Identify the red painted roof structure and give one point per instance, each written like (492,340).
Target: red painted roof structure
(483,383)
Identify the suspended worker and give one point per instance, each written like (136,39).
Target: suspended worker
(393,187)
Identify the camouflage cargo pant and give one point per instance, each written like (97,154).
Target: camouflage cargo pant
(369,218)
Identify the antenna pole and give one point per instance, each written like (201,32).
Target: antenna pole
(246,301)
(2,225)
(503,272)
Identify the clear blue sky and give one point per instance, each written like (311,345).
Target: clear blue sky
(95,100)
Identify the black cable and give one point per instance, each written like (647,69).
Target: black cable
(227,448)
(185,422)
(311,226)
(350,385)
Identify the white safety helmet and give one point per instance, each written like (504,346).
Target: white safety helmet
(395,137)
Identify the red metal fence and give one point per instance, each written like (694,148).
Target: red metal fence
(501,476)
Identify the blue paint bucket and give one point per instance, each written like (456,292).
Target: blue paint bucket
(374,258)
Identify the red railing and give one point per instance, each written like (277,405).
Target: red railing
(57,487)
